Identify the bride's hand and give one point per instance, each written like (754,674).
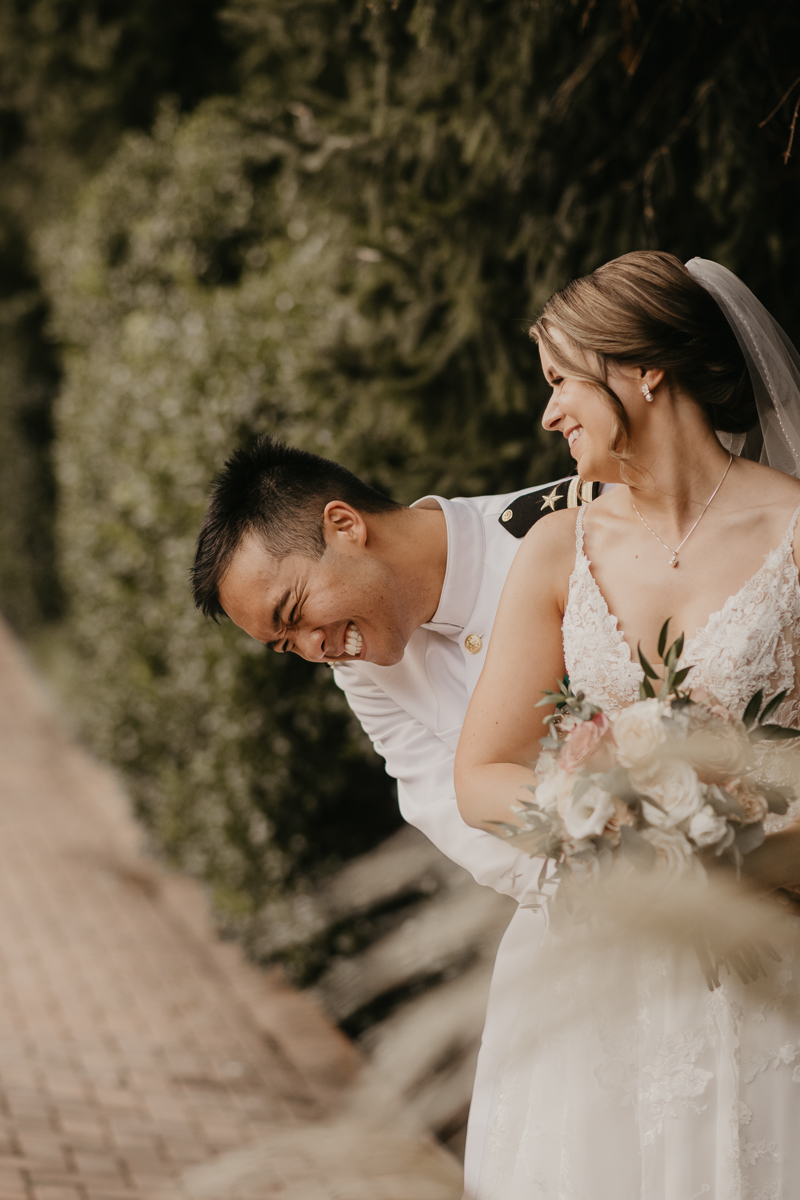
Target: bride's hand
(776,863)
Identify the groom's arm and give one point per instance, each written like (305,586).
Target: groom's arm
(422,764)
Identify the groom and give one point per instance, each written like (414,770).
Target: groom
(307,558)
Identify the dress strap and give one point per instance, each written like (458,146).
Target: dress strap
(579,551)
(789,535)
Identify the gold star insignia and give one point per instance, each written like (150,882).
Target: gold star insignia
(551,499)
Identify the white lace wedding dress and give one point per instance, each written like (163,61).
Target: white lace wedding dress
(657,1088)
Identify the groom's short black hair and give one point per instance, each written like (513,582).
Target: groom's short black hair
(279,493)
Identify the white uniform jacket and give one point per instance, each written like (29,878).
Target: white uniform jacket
(413,711)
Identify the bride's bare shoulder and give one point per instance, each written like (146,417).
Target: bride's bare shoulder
(767,483)
(550,543)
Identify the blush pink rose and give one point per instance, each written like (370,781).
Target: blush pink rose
(589,745)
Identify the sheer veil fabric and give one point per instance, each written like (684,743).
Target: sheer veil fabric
(773,363)
(625,1078)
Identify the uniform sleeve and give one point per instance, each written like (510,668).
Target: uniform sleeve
(422,764)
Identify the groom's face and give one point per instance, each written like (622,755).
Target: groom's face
(342,607)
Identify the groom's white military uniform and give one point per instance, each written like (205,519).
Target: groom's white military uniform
(414,710)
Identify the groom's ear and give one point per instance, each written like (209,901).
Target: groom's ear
(523,513)
(343,525)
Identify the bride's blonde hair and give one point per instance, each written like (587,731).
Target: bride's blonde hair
(645,310)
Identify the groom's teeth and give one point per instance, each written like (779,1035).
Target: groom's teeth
(353,641)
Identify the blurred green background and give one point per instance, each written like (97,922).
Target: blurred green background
(330,220)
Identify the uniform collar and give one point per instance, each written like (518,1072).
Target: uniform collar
(464,572)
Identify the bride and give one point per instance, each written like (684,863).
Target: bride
(661,376)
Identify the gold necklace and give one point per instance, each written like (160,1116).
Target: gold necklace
(673,562)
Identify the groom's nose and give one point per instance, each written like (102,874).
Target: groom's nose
(310,644)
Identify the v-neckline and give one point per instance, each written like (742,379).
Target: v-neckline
(581,557)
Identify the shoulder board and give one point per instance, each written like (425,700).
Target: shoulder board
(525,511)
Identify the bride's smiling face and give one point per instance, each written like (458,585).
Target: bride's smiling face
(579,412)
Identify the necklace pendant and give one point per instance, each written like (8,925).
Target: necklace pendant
(673,562)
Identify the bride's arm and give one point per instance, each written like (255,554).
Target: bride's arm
(500,738)
(776,863)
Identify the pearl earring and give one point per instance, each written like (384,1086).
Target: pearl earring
(648,395)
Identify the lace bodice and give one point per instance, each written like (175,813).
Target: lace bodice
(752,642)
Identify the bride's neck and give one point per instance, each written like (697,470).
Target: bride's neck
(677,464)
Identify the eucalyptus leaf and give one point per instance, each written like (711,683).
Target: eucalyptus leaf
(727,843)
(723,803)
(773,733)
(750,837)
(648,670)
(753,708)
(509,829)
(773,705)
(542,875)
(777,798)
(662,637)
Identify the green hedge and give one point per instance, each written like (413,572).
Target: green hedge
(242,763)
(75,74)
(345,253)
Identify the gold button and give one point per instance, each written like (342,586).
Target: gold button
(507,515)
(473,643)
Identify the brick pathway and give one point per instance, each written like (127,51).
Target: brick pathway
(134,1047)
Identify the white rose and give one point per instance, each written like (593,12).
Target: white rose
(675,788)
(707,827)
(556,786)
(546,764)
(638,732)
(674,854)
(654,816)
(717,752)
(587,815)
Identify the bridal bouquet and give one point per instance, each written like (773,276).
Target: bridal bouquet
(667,782)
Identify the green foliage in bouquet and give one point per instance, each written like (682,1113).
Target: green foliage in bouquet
(670,782)
(673,677)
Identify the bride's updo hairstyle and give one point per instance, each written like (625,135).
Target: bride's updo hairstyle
(645,310)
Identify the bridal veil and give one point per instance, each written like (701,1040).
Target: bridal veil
(774,367)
